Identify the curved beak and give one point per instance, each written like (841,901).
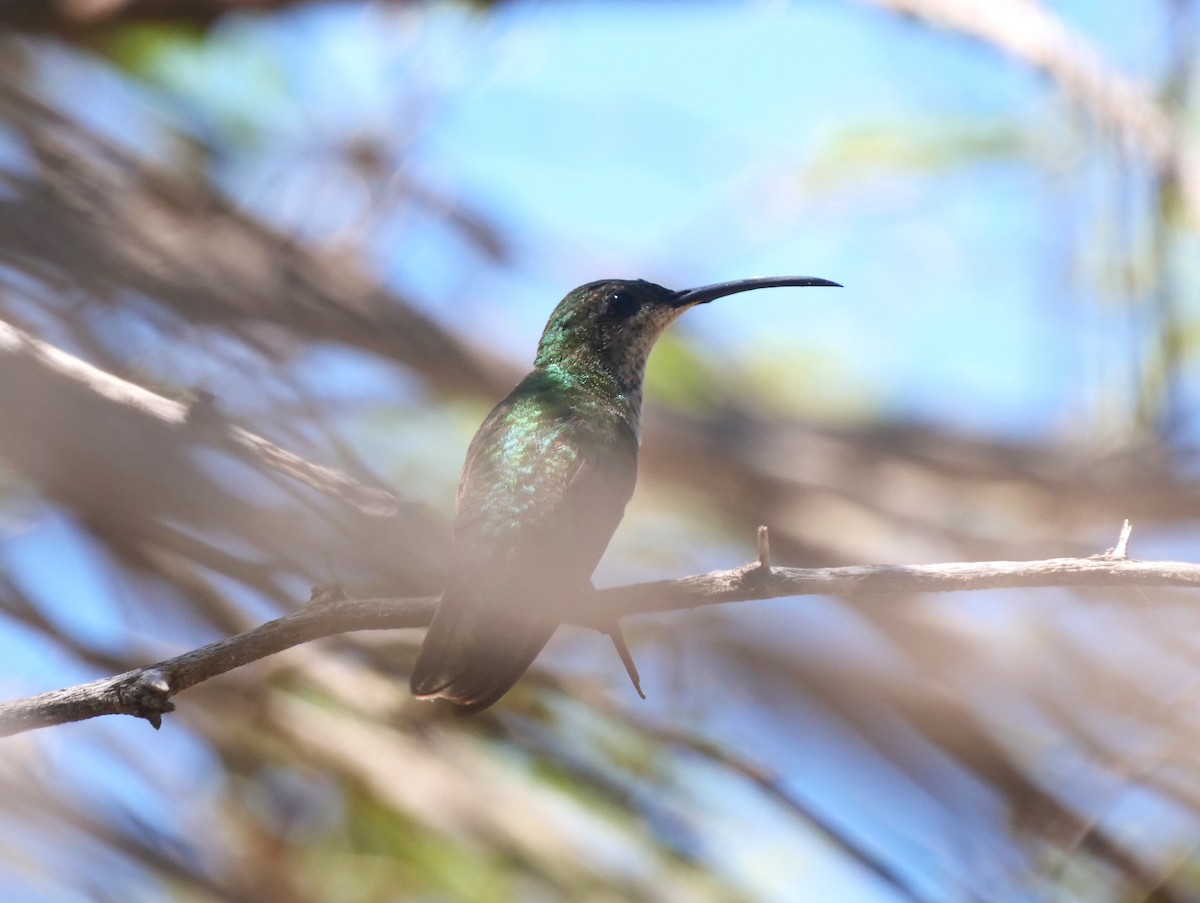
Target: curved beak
(704,294)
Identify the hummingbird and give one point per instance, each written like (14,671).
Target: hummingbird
(545,484)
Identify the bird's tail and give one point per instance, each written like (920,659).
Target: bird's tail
(472,660)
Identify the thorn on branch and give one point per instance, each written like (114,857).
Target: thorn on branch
(147,695)
(1121,549)
(326,594)
(764,550)
(202,410)
(1119,552)
(755,578)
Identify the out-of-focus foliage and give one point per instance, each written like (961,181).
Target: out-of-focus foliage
(88,21)
(995,746)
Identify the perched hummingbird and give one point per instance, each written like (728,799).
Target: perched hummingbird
(545,484)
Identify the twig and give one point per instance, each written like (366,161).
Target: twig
(773,787)
(764,549)
(751,582)
(1121,549)
(146,692)
(202,414)
(771,784)
(1119,552)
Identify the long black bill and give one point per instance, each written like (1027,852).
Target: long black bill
(704,294)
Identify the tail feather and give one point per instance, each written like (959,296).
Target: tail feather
(473,660)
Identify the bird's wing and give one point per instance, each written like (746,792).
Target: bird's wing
(541,495)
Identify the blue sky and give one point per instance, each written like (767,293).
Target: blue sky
(687,144)
(695,143)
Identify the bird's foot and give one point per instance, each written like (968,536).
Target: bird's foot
(610,627)
(614,632)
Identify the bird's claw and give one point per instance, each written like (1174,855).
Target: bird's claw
(614,633)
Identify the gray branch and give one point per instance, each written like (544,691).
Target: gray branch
(146,692)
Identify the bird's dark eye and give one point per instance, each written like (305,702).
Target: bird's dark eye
(624,305)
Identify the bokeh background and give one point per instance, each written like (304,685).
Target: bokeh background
(347,221)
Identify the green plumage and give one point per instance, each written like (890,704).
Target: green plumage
(544,486)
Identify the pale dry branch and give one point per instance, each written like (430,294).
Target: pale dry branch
(200,415)
(146,692)
(1033,34)
(753,582)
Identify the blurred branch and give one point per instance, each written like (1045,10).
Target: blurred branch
(857,482)
(1034,35)
(771,784)
(97,218)
(76,17)
(83,19)
(200,415)
(146,692)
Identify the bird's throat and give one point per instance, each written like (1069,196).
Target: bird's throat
(596,389)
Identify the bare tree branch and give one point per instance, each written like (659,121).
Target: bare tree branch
(146,692)
(200,415)
(1035,35)
(102,220)
(81,19)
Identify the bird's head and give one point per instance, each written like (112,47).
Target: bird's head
(614,323)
